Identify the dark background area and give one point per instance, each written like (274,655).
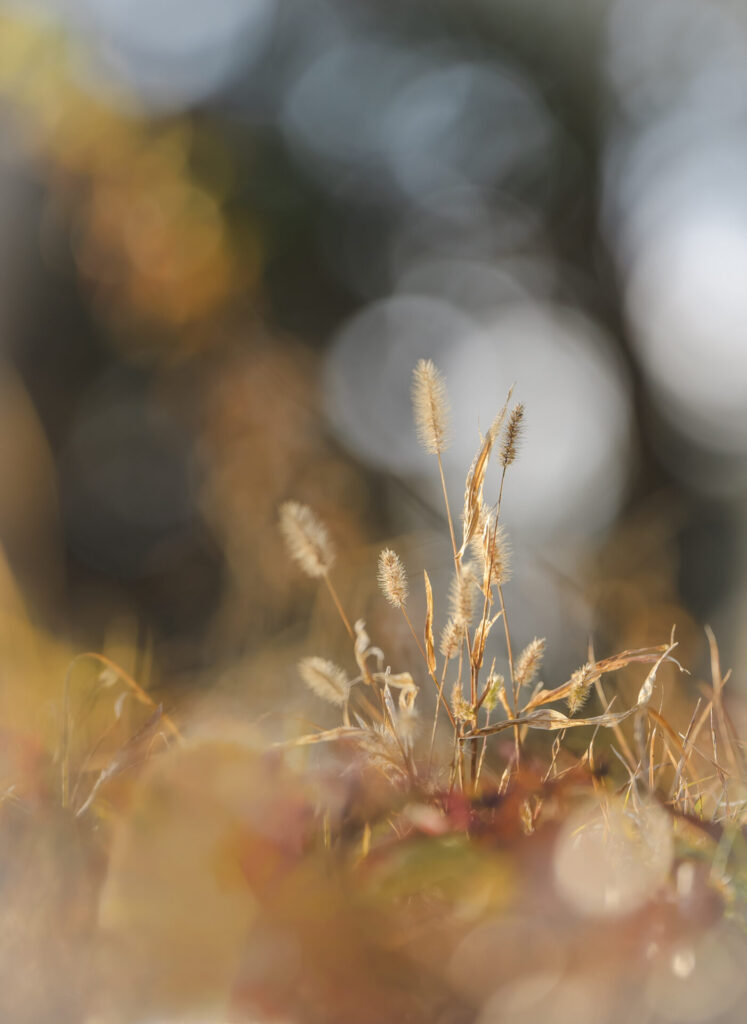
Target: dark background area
(227,233)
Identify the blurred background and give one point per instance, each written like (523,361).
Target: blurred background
(229,230)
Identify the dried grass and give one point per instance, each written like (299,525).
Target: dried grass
(393,866)
(463,644)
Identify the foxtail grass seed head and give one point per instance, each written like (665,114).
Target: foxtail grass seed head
(430,406)
(325,679)
(306,538)
(462,592)
(529,662)
(580,688)
(496,684)
(491,547)
(393,578)
(512,435)
(461,708)
(451,638)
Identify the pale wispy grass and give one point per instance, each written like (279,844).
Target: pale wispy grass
(393,578)
(307,539)
(460,667)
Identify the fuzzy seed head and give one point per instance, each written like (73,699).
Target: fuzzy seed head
(496,683)
(451,638)
(529,662)
(578,694)
(492,549)
(382,751)
(393,578)
(461,708)
(430,406)
(325,679)
(462,595)
(306,538)
(512,434)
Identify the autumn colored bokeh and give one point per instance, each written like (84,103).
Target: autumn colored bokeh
(237,781)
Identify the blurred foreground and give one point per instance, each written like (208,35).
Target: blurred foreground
(283,871)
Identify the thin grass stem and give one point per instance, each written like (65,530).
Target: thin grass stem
(416,638)
(338,605)
(448,511)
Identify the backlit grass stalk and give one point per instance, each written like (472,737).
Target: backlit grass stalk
(388,736)
(432,414)
(310,546)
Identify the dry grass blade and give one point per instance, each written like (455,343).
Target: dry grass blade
(666,728)
(619,734)
(497,425)
(138,693)
(131,753)
(473,493)
(476,480)
(363,650)
(646,691)
(401,681)
(429,646)
(645,654)
(482,632)
(687,747)
(727,730)
(548,719)
(342,732)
